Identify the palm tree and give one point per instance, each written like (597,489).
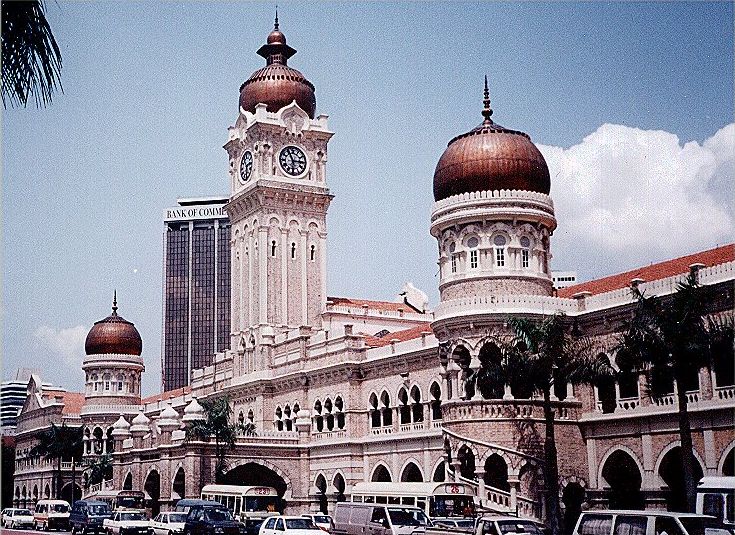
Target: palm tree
(670,340)
(58,443)
(217,423)
(31,57)
(541,354)
(100,469)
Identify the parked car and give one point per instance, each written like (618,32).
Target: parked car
(467,524)
(211,520)
(17,518)
(124,522)
(323,522)
(288,525)
(87,516)
(51,514)
(184,505)
(648,523)
(378,519)
(169,523)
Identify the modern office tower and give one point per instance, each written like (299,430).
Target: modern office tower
(12,396)
(196,287)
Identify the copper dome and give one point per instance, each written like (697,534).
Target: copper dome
(277,84)
(490,157)
(114,334)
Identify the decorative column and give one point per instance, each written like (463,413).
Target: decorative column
(263,274)
(480,474)
(475,367)
(453,370)
(514,484)
(705,383)
(139,429)
(507,393)
(286,248)
(304,282)
(455,465)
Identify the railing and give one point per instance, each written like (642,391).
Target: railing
(692,396)
(416,426)
(628,404)
(725,392)
(664,401)
(381,430)
(329,435)
(436,424)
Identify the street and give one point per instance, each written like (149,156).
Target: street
(24,531)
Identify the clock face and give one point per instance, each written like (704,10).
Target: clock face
(246,166)
(292,160)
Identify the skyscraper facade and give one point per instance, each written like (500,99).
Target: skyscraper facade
(196,287)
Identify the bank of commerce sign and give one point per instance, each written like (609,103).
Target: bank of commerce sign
(187,213)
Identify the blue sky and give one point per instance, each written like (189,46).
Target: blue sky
(632,104)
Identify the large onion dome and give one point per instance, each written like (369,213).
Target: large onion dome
(490,157)
(277,84)
(114,334)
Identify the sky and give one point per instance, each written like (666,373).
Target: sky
(630,103)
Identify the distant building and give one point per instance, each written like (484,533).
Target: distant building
(196,287)
(562,279)
(12,396)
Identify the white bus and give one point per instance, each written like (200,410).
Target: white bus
(438,500)
(250,505)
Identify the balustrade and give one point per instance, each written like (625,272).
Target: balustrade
(725,392)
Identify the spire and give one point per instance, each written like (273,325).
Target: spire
(114,303)
(487,110)
(275,24)
(276,50)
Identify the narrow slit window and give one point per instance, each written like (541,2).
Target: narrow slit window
(312,253)
(273,248)
(293,250)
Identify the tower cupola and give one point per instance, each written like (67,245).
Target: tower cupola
(277,84)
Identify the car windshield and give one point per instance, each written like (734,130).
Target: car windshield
(403,517)
(518,527)
(217,515)
(321,519)
(60,508)
(177,517)
(98,510)
(704,526)
(132,516)
(23,512)
(300,523)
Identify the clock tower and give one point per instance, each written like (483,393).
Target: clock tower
(278,201)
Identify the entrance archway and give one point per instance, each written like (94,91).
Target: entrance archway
(381,475)
(128,485)
(254,474)
(68,495)
(339,487)
(466,462)
(440,474)
(573,498)
(623,481)
(496,472)
(412,473)
(671,471)
(321,487)
(178,487)
(152,489)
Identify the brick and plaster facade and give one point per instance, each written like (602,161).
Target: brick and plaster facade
(343,391)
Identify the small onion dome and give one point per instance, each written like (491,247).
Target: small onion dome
(140,424)
(114,334)
(490,157)
(169,419)
(193,412)
(277,84)
(121,428)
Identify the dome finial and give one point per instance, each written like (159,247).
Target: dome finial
(487,110)
(114,302)
(275,25)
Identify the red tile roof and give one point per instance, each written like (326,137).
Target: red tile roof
(375,305)
(168,394)
(661,270)
(73,401)
(401,336)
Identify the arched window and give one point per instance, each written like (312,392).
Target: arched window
(412,474)
(453,256)
(287,418)
(339,407)
(417,409)
(98,439)
(296,409)
(120,381)
(436,401)
(318,418)
(472,244)
(385,409)
(525,252)
(499,242)
(404,410)
(329,418)
(373,410)
(279,419)
(251,418)
(95,382)
(381,474)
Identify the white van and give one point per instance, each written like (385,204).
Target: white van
(378,519)
(51,514)
(716,497)
(648,523)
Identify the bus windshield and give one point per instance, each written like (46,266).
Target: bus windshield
(129,502)
(100,509)
(60,508)
(261,503)
(444,506)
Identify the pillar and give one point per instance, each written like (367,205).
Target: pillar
(480,474)
(705,383)
(514,484)
(455,467)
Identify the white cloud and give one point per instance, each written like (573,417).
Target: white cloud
(625,197)
(66,344)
